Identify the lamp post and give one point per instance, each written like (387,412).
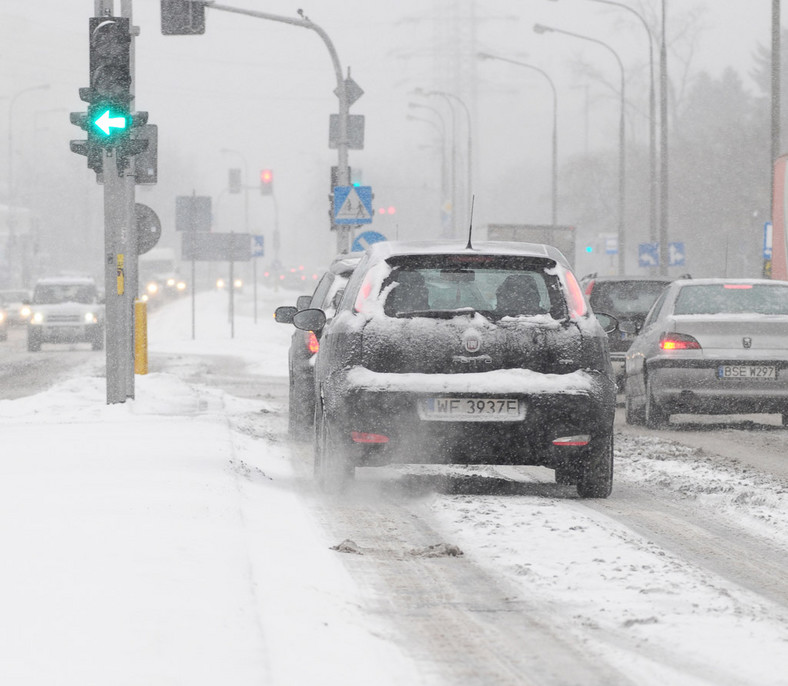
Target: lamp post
(11,198)
(652,119)
(449,98)
(664,254)
(453,175)
(540,28)
(554,192)
(442,131)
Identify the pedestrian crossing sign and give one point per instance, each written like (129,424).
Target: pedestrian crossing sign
(353,205)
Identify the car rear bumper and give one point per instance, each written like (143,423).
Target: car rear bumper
(697,388)
(378,410)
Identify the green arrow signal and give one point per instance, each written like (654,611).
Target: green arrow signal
(106,123)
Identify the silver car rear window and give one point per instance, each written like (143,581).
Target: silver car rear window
(733,298)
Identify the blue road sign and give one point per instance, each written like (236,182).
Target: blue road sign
(676,254)
(258,246)
(648,254)
(364,240)
(767,241)
(353,205)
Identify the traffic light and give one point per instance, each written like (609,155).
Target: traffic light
(266,182)
(109,121)
(235,181)
(109,95)
(182,17)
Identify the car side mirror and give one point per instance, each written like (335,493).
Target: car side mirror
(310,319)
(303,302)
(285,314)
(608,322)
(629,326)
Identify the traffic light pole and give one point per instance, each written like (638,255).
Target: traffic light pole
(343,176)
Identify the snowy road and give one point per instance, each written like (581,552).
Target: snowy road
(475,575)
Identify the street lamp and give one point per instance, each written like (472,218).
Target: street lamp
(486,56)
(449,98)
(540,28)
(442,131)
(11,218)
(416,105)
(652,109)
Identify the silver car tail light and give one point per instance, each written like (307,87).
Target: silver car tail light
(577,440)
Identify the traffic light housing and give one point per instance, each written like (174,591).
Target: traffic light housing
(109,121)
(266,182)
(182,17)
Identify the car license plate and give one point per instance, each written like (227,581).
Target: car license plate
(747,371)
(471,409)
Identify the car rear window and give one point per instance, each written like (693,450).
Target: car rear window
(621,298)
(732,298)
(496,286)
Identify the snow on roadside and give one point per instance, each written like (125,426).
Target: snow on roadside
(164,541)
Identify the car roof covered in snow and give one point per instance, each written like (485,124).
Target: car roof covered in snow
(386,249)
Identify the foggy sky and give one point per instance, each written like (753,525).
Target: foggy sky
(265,90)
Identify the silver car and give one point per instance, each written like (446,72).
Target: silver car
(711,346)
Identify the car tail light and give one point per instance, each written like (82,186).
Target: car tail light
(577,303)
(361,437)
(311,342)
(590,286)
(363,294)
(678,341)
(579,439)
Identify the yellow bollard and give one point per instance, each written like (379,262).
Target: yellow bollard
(140,337)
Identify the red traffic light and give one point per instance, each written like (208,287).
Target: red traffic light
(266,181)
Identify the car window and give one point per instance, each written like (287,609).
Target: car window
(622,298)
(51,294)
(319,296)
(493,285)
(732,298)
(653,314)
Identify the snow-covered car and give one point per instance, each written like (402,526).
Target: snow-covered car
(711,346)
(628,299)
(304,344)
(65,310)
(482,355)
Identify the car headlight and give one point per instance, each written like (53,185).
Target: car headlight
(181,286)
(238,283)
(37,318)
(152,288)
(170,283)
(25,312)
(90,318)
(2,316)
(219,283)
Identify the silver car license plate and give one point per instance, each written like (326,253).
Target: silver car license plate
(755,372)
(471,409)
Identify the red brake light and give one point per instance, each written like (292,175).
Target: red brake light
(311,342)
(678,341)
(577,304)
(361,437)
(590,286)
(363,294)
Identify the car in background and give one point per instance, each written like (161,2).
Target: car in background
(710,346)
(628,299)
(304,344)
(3,323)
(451,355)
(16,303)
(66,309)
